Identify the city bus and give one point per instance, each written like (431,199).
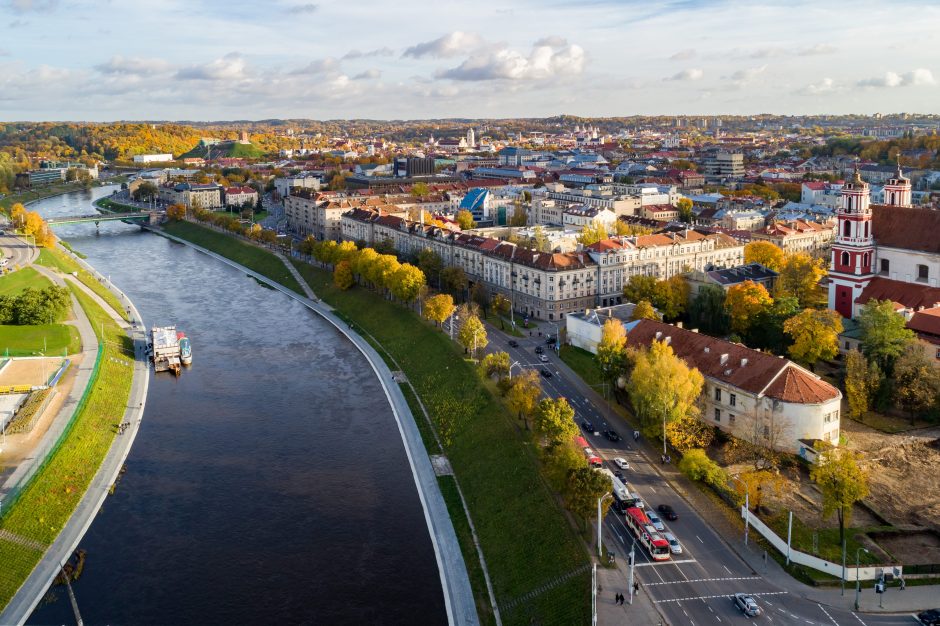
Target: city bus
(646,535)
(589,455)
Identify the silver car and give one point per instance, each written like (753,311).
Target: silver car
(655,521)
(674,546)
(747,604)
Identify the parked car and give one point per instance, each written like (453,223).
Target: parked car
(546,374)
(929,618)
(588,426)
(667,512)
(621,463)
(655,521)
(513,343)
(539,349)
(550,340)
(612,435)
(543,358)
(674,546)
(746,604)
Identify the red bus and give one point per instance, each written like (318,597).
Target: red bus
(592,459)
(646,535)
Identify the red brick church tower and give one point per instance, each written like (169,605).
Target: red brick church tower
(853,249)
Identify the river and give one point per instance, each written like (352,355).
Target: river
(268,484)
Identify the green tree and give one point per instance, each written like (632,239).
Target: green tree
(495,365)
(765,253)
(644,311)
(582,490)
(640,287)
(431,264)
(554,421)
(707,311)
(420,190)
(685,210)
(145,191)
(766,331)
(540,239)
(916,382)
(815,334)
(860,384)
(465,219)
(343,276)
(885,335)
(611,349)
(453,280)
(671,297)
(697,466)
(841,481)
(472,335)
(662,388)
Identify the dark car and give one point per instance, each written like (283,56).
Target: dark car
(667,512)
(612,435)
(546,374)
(513,343)
(930,618)
(539,349)
(551,339)
(588,426)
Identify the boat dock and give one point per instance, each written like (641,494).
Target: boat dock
(165,349)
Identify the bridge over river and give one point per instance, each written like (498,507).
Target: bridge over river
(148,217)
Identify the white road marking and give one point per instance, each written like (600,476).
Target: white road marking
(652,488)
(827,614)
(859,619)
(700,539)
(666,563)
(723,595)
(703,580)
(726,568)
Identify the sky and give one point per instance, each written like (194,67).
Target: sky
(205,60)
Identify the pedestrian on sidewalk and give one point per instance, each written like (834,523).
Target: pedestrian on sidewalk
(903,584)
(636,588)
(616,598)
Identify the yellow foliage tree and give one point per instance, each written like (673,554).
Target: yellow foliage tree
(343,276)
(799,277)
(815,335)
(688,432)
(176,212)
(663,388)
(438,308)
(765,253)
(744,302)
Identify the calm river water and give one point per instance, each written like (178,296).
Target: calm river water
(268,484)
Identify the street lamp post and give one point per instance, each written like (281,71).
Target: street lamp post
(512,366)
(599,519)
(858,584)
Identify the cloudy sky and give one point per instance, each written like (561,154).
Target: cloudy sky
(394,59)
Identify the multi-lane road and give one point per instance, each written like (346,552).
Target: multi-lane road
(694,587)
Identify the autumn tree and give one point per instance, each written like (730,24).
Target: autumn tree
(841,481)
(916,382)
(472,335)
(438,308)
(640,287)
(815,334)
(592,233)
(671,297)
(420,190)
(553,420)
(663,388)
(18,214)
(765,253)
(861,382)
(495,365)
(644,311)
(799,277)
(696,465)
(757,484)
(176,212)
(744,302)
(884,332)
(406,282)
(343,276)
(688,432)
(523,395)
(501,305)
(611,349)
(685,210)
(464,219)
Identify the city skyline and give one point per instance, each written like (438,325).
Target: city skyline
(82,59)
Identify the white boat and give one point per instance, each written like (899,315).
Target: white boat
(186,351)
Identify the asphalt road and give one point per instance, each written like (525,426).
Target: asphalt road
(16,250)
(694,587)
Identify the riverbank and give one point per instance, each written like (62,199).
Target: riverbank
(537,564)
(35,195)
(48,516)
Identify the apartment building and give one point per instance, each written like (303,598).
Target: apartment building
(724,165)
(798,236)
(311,213)
(240,196)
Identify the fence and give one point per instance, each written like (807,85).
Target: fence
(821,565)
(46,451)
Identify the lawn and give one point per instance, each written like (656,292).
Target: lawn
(583,363)
(15,282)
(525,536)
(45,505)
(28,340)
(50,257)
(116,207)
(827,541)
(252,257)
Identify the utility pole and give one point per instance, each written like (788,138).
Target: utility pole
(632,558)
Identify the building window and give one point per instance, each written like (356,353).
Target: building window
(731,418)
(733,400)
(885,266)
(717,415)
(717,394)
(766,432)
(845,258)
(847,229)
(922,272)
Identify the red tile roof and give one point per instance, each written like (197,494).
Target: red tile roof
(907,228)
(926,321)
(910,295)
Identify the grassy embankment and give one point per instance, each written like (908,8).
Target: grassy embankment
(50,257)
(583,363)
(252,257)
(46,504)
(38,194)
(526,538)
(26,340)
(117,207)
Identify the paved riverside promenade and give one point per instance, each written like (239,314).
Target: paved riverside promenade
(458,595)
(31,592)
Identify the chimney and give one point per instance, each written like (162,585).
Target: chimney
(743,362)
(679,324)
(659,334)
(667,340)
(724,358)
(707,350)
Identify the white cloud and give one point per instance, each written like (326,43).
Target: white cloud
(552,41)
(689,74)
(302,9)
(503,63)
(814,89)
(368,75)
(25,6)
(766,53)
(748,74)
(450,45)
(384,51)
(820,48)
(918,77)
(133,66)
(319,66)
(683,55)
(229,67)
